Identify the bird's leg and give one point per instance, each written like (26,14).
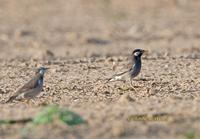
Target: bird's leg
(132,84)
(33,101)
(29,102)
(26,102)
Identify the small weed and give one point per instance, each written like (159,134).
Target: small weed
(48,115)
(190,135)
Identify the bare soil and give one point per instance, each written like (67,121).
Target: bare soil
(81,41)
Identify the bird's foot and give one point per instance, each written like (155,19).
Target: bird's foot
(134,86)
(30,102)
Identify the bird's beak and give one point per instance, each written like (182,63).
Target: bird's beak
(46,69)
(145,51)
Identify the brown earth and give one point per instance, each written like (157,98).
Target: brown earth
(80,40)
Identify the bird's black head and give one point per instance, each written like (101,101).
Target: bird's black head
(41,70)
(138,52)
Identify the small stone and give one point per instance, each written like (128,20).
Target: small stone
(126,98)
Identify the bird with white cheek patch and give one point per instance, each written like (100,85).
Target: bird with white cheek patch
(135,68)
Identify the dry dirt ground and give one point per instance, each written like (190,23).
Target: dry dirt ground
(80,40)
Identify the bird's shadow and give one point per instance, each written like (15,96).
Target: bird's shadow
(143,79)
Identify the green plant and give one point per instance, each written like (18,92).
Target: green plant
(48,115)
(190,135)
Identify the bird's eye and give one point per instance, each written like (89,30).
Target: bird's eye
(136,53)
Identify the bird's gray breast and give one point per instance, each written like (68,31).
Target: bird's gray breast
(40,83)
(135,70)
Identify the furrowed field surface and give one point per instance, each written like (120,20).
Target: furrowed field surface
(86,42)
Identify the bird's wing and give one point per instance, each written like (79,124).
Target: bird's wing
(118,76)
(28,86)
(129,66)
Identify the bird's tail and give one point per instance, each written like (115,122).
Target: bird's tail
(117,76)
(10,99)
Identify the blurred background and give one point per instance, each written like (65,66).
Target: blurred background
(49,29)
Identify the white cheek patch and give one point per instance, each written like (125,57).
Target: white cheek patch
(136,53)
(41,71)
